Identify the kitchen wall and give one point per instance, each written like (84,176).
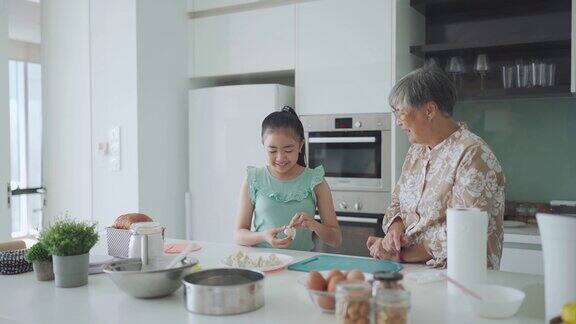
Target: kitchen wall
(116,64)
(163,111)
(23,51)
(113,69)
(5,227)
(67,152)
(535,141)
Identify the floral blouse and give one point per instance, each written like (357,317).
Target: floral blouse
(460,172)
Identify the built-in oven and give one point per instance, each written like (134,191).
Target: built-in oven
(355,151)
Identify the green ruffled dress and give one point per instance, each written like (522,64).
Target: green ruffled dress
(277,201)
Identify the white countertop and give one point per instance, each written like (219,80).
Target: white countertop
(25,300)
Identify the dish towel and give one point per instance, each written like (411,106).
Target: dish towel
(174,248)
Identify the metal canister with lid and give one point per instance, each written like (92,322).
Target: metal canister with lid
(391,302)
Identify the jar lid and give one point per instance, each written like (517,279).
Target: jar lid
(388,276)
(146,228)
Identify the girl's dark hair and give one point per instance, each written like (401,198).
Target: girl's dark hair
(286,119)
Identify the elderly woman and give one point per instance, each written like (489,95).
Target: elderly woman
(447,166)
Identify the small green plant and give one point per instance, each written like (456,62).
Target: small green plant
(38,253)
(67,237)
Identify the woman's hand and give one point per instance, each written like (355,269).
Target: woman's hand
(303,220)
(377,250)
(395,239)
(270,238)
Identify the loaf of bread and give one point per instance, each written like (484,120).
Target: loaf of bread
(124,221)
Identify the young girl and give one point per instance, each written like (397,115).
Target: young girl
(285,193)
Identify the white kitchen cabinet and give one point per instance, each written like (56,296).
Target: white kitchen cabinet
(244,42)
(522,250)
(523,258)
(199,5)
(344,56)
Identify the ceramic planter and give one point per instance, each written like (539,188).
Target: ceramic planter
(44,270)
(71,271)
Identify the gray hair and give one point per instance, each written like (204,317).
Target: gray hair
(424,85)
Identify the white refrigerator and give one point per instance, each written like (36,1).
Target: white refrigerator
(224,129)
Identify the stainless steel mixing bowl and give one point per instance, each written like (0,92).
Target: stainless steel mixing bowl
(224,291)
(152,282)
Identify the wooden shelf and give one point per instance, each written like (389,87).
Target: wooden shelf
(516,93)
(535,44)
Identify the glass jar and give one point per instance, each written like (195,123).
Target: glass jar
(386,280)
(391,302)
(391,306)
(353,302)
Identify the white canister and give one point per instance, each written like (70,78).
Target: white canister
(146,241)
(558,237)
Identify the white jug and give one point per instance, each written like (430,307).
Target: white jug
(146,241)
(559,246)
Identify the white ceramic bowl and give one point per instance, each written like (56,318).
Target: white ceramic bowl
(497,301)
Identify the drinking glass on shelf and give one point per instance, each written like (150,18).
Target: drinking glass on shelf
(526,76)
(508,76)
(482,67)
(535,71)
(455,67)
(432,62)
(550,74)
(519,73)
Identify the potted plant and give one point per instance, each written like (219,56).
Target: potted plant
(69,241)
(41,262)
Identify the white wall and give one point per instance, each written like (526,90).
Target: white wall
(66,100)
(5,225)
(410,28)
(24,21)
(114,104)
(163,111)
(23,51)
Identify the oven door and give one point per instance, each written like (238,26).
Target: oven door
(351,159)
(355,232)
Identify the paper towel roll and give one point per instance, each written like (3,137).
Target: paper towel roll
(467,236)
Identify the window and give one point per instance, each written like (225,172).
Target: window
(25,147)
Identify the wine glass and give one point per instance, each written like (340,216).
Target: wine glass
(482,67)
(455,67)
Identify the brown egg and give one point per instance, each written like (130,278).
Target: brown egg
(332,273)
(355,275)
(326,302)
(316,281)
(335,280)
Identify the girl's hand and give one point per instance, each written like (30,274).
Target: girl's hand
(303,220)
(270,238)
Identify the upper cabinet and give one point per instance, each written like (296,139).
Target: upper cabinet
(243,42)
(344,56)
(501,49)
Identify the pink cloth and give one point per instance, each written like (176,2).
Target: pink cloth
(179,247)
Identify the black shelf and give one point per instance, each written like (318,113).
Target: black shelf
(553,42)
(443,8)
(561,91)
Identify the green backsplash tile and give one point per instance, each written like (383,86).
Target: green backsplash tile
(535,141)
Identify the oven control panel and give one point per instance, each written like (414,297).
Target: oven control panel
(361,202)
(343,122)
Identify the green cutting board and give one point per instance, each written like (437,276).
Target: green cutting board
(328,262)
